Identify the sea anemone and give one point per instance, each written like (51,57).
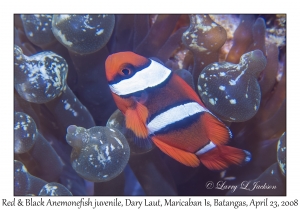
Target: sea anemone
(236,63)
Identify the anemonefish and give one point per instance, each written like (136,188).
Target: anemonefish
(158,104)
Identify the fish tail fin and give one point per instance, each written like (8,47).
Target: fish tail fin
(221,157)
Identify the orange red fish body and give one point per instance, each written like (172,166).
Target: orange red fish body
(158,103)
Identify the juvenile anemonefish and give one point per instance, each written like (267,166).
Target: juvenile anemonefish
(158,103)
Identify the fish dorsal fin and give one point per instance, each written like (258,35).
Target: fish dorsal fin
(217,131)
(186,158)
(188,89)
(136,120)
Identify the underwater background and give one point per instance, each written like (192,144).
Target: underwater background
(61,97)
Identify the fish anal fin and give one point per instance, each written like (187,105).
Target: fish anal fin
(221,157)
(186,158)
(136,120)
(217,131)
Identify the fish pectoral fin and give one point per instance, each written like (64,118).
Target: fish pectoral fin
(136,120)
(218,132)
(186,158)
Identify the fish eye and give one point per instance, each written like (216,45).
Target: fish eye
(126,71)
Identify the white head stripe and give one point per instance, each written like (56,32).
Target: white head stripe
(174,114)
(150,76)
(206,148)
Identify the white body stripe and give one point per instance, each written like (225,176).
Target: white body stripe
(150,76)
(206,148)
(174,114)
